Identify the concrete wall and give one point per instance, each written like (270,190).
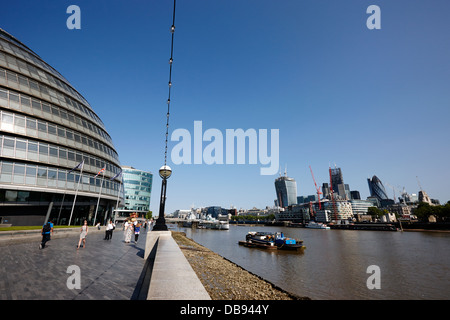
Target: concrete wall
(172,277)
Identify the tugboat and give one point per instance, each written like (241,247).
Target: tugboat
(269,240)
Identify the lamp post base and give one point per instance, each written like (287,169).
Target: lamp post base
(160,225)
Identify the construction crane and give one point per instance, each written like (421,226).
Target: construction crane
(393,188)
(420,186)
(317,189)
(402,193)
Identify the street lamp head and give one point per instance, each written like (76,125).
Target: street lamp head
(165,172)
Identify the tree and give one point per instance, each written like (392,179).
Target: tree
(375,212)
(446,211)
(423,211)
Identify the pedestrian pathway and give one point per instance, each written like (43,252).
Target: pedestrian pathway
(108,269)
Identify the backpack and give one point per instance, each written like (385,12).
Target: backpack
(46,228)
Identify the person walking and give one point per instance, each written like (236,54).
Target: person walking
(46,231)
(128,232)
(113,227)
(109,229)
(83,234)
(137,229)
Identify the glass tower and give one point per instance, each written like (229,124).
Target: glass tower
(47,128)
(286,189)
(376,188)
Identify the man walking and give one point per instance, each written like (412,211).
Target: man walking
(46,231)
(109,230)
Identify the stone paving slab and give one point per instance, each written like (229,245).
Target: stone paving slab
(109,269)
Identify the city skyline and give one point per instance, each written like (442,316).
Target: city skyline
(373,102)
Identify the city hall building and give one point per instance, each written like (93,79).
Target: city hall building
(47,129)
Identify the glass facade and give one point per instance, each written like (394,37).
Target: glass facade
(286,189)
(46,129)
(215,211)
(137,189)
(377,189)
(360,206)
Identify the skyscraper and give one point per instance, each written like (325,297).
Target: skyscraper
(376,188)
(286,189)
(326,190)
(336,178)
(339,188)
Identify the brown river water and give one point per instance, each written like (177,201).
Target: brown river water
(334,265)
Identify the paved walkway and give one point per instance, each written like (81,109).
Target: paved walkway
(109,270)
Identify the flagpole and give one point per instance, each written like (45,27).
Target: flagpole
(118,192)
(60,208)
(76,193)
(98,201)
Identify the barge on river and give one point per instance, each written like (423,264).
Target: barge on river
(271,240)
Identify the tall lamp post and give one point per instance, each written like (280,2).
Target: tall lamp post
(164,173)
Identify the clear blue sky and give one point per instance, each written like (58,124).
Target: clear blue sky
(373,102)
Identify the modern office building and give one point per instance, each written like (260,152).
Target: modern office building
(355,195)
(295,213)
(340,190)
(344,210)
(336,178)
(326,190)
(286,189)
(215,211)
(360,206)
(137,185)
(377,189)
(47,128)
(307,199)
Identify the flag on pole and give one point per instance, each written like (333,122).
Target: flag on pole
(117,175)
(78,166)
(102,170)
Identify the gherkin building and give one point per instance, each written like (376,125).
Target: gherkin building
(52,146)
(377,189)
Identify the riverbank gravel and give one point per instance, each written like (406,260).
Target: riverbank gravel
(225,280)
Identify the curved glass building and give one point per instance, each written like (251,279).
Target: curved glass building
(377,189)
(286,189)
(47,128)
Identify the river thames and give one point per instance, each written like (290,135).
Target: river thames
(334,265)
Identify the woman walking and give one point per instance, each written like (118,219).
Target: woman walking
(128,232)
(83,234)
